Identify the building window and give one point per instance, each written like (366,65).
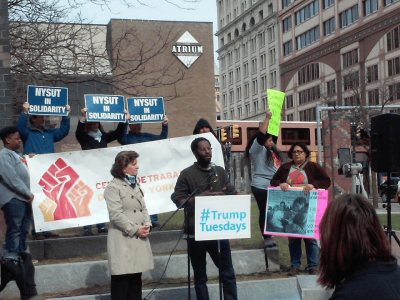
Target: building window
(372,73)
(263,61)
(230,58)
(394,66)
(265,103)
(243,27)
(373,97)
(388,2)
(349,16)
(271,33)
(331,87)
(255,87)
(350,101)
(239,93)
(285,3)
(350,58)
(287,24)
(225,116)
(245,49)
(230,77)
(255,106)
(308,73)
(252,22)
(223,62)
(237,54)
(309,95)
(222,42)
(270,9)
(392,39)
(247,106)
(394,92)
(261,14)
(264,83)
(231,97)
(289,101)
(224,102)
(223,81)
(253,44)
(307,115)
(238,74)
(246,90)
(272,78)
(307,12)
(240,113)
(272,56)
(370,6)
(233,114)
(289,117)
(288,48)
(327,3)
(329,26)
(307,38)
(254,66)
(262,39)
(246,69)
(351,81)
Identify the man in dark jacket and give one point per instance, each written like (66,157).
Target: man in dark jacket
(189,179)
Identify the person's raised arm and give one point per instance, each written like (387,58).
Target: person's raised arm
(63,131)
(22,124)
(261,138)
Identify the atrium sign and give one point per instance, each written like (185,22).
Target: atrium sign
(187,49)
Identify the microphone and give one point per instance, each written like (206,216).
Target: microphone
(214,170)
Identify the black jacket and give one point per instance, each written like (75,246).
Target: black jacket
(88,143)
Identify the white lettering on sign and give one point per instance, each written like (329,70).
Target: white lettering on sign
(105,100)
(47,92)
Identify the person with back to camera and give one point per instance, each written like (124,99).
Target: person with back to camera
(128,246)
(301,172)
(355,255)
(91,135)
(38,139)
(266,159)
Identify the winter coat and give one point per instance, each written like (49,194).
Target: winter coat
(87,142)
(127,253)
(41,141)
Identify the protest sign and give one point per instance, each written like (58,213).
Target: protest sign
(69,186)
(105,108)
(222,217)
(145,110)
(294,213)
(46,100)
(275,102)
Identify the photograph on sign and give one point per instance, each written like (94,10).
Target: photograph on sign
(146,110)
(47,101)
(222,217)
(105,108)
(294,213)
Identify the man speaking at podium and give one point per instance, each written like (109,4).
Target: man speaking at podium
(213,181)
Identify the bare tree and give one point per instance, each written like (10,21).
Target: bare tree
(47,50)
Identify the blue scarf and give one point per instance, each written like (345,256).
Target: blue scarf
(131,180)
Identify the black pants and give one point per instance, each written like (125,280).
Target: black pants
(261,197)
(126,287)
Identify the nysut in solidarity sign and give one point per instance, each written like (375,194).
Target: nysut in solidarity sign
(45,100)
(105,108)
(146,110)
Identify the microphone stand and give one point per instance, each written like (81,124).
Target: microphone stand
(186,204)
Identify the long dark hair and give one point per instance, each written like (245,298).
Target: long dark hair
(351,235)
(122,160)
(262,138)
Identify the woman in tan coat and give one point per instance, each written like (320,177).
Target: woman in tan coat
(128,246)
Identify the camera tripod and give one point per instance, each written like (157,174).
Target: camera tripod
(389,232)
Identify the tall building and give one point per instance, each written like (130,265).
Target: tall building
(247,54)
(338,53)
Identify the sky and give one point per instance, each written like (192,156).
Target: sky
(202,11)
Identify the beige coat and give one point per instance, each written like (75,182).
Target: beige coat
(127,253)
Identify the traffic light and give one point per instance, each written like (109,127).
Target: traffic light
(235,131)
(223,136)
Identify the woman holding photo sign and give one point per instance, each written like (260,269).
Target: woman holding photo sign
(301,173)
(266,159)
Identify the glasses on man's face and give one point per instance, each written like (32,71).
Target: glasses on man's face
(205,149)
(297,152)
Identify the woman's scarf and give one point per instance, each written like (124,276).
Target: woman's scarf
(96,135)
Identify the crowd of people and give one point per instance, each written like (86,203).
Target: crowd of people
(357,263)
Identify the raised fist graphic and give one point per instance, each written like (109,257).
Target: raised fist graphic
(80,196)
